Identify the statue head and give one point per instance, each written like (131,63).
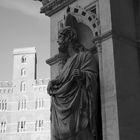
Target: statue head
(65,36)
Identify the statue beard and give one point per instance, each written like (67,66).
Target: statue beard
(63,48)
(63,52)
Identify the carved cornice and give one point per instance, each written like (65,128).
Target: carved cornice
(112,34)
(103,37)
(53,6)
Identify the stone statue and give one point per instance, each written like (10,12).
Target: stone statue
(74,91)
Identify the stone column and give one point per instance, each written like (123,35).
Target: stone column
(110,128)
(119,70)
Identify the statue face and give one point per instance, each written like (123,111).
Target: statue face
(63,43)
(61,39)
(66,36)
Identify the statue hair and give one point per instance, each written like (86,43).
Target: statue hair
(71,36)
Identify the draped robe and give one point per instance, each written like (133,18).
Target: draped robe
(73,105)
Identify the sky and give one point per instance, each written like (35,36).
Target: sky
(22,25)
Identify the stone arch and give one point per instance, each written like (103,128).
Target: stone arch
(86,20)
(86,25)
(85,17)
(23,71)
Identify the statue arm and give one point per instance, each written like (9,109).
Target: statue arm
(88,72)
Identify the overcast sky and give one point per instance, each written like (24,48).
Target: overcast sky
(22,25)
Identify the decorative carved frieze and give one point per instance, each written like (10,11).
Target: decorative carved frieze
(51,7)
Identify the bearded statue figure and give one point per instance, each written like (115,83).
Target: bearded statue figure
(74,91)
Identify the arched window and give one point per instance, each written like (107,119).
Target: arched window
(23,86)
(23,59)
(23,72)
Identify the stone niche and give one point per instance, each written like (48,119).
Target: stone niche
(87,27)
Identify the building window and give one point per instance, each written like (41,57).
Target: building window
(21,126)
(23,59)
(3,127)
(22,104)
(39,103)
(39,125)
(23,72)
(23,86)
(3,105)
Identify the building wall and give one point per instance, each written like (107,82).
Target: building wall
(127,73)
(27,113)
(127,68)
(6,91)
